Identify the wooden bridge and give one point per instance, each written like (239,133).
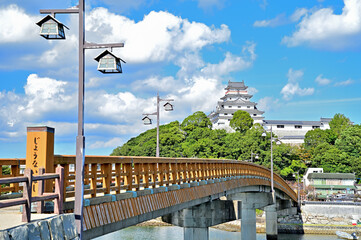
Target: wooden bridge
(123,191)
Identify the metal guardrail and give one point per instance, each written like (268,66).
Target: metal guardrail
(27,197)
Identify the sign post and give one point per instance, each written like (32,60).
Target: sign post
(40,153)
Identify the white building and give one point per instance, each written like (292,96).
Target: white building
(306,182)
(293,132)
(236,98)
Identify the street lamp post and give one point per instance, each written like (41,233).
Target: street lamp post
(254,154)
(58,33)
(147,120)
(298,186)
(278,143)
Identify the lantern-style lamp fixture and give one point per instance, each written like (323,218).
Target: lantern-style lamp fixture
(147,120)
(109,63)
(168,107)
(50,28)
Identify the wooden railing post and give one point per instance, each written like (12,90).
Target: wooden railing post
(107,172)
(93,180)
(40,204)
(15,170)
(128,178)
(27,190)
(118,177)
(59,189)
(146,169)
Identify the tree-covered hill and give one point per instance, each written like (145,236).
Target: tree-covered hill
(336,150)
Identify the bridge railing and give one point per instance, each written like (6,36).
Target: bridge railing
(106,174)
(27,197)
(13,166)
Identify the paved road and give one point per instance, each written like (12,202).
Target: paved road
(11,217)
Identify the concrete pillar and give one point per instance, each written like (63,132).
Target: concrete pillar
(248,223)
(197,219)
(271,222)
(196,233)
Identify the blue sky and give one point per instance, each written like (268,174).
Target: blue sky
(300,59)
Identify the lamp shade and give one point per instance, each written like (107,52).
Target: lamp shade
(147,120)
(168,107)
(109,63)
(50,28)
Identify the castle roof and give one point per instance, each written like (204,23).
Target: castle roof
(236,85)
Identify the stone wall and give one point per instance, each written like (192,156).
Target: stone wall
(322,219)
(56,228)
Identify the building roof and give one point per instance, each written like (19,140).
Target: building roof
(334,186)
(292,122)
(236,95)
(233,110)
(331,176)
(237,102)
(292,137)
(236,85)
(326,119)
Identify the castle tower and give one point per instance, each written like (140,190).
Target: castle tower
(236,98)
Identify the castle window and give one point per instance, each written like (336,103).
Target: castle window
(229,120)
(239,106)
(226,114)
(314,127)
(222,106)
(229,106)
(254,114)
(298,126)
(280,126)
(248,107)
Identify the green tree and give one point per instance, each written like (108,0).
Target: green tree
(350,141)
(339,123)
(170,139)
(241,121)
(197,119)
(315,137)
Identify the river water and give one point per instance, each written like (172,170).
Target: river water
(176,233)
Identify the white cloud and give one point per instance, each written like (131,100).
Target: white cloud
(268,104)
(292,88)
(17,26)
(345,83)
(160,36)
(298,14)
(46,95)
(322,81)
(196,95)
(112,143)
(162,84)
(277,21)
(43,98)
(232,63)
(325,29)
(252,90)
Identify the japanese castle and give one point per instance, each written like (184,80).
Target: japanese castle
(236,98)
